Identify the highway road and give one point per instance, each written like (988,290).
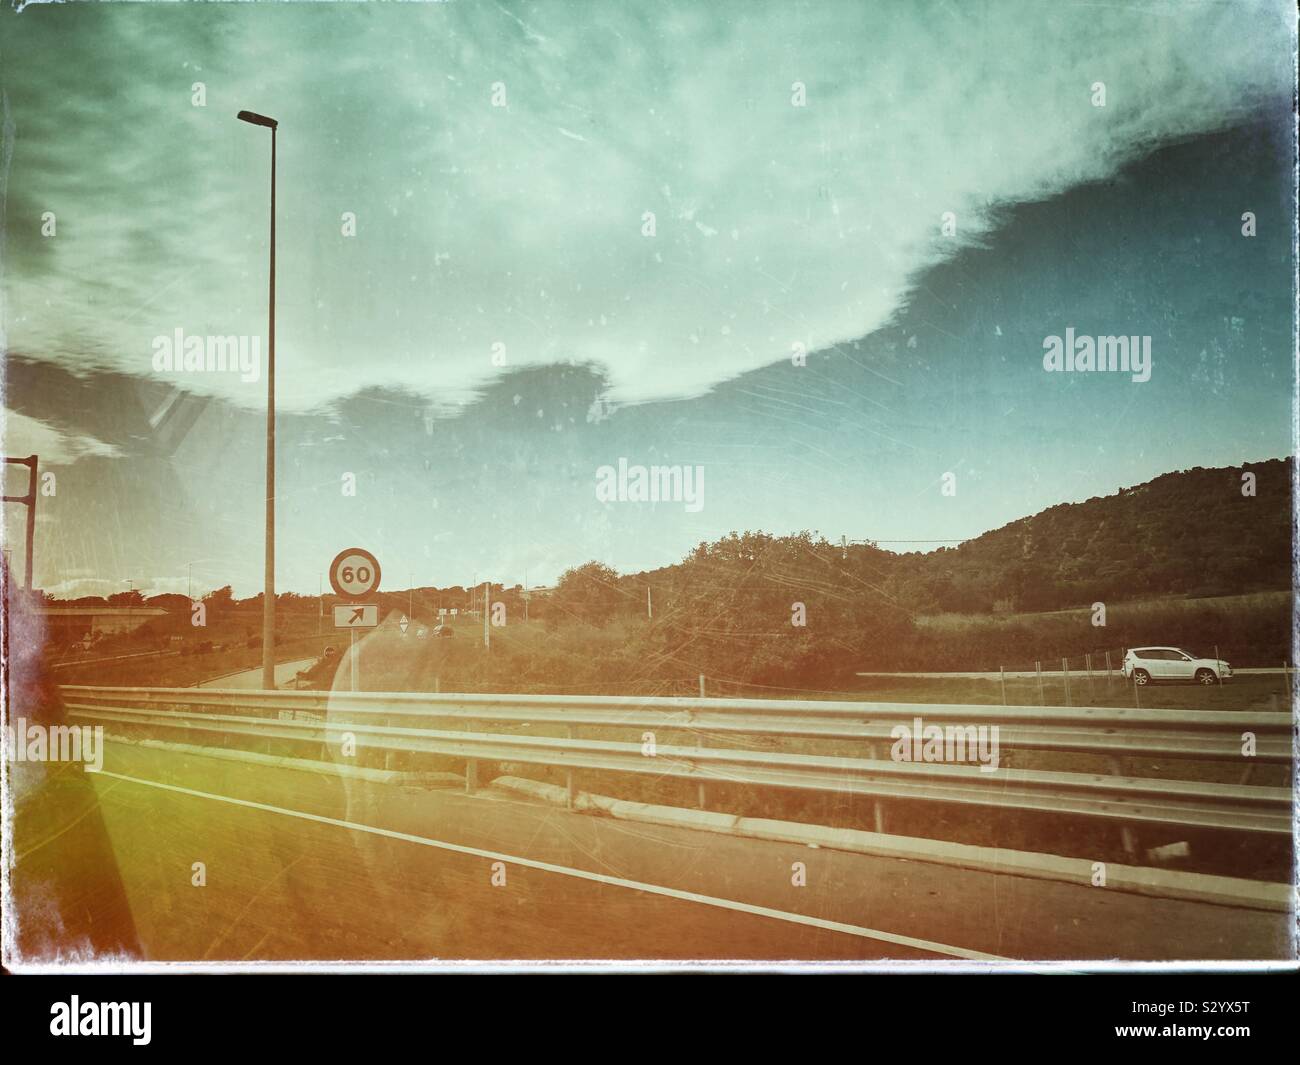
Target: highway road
(252,678)
(314,865)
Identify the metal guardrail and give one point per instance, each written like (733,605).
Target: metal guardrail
(1198,734)
(1209,735)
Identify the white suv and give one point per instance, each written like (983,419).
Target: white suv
(1145,665)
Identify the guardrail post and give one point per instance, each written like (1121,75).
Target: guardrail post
(1127,837)
(1087,661)
(1002,674)
(1065,669)
(877,814)
(1286,672)
(1129,840)
(1110,675)
(699,742)
(570,783)
(1038,668)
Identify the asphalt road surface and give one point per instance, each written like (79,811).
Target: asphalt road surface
(314,865)
(252,678)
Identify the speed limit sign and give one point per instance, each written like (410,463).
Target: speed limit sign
(354,573)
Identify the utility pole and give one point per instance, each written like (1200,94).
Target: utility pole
(649,606)
(487,633)
(31,462)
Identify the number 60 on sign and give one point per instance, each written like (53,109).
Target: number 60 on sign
(354,573)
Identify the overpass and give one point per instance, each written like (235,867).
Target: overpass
(75,621)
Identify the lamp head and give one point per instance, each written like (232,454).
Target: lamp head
(256,119)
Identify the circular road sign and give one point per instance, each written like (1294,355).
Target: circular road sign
(354,573)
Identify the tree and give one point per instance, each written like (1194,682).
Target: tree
(219,599)
(587,593)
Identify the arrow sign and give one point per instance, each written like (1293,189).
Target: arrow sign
(356,617)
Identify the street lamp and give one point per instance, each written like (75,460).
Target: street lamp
(268,594)
(189,577)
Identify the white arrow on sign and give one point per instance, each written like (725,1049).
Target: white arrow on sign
(356,617)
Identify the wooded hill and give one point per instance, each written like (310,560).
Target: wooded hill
(793,608)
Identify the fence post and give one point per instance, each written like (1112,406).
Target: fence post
(1110,677)
(1065,668)
(1218,671)
(1002,674)
(1087,661)
(1286,672)
(471,775)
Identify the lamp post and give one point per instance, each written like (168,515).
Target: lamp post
(268,594)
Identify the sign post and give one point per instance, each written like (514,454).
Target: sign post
(354,573)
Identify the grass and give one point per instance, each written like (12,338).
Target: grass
(1155,608)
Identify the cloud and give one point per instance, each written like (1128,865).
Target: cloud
(522,226)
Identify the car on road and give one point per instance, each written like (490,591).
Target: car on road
(1149,665)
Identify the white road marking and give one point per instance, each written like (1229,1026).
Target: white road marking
(583,874)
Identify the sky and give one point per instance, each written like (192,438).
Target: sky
(916,195)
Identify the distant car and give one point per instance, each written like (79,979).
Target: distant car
(441,631)
(1147,665)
